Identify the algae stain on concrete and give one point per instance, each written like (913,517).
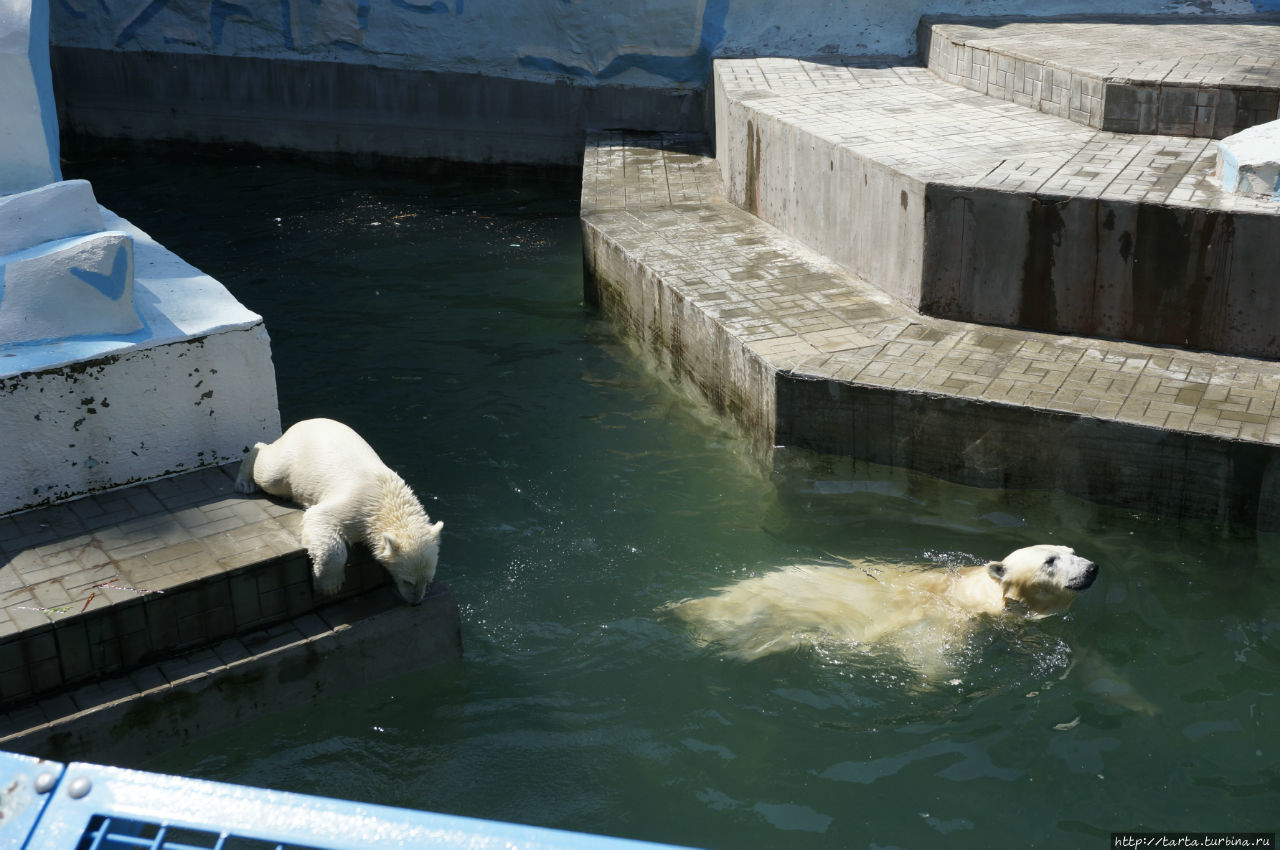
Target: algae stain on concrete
(752,186)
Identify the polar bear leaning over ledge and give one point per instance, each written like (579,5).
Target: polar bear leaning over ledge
(349,494)
(922,614)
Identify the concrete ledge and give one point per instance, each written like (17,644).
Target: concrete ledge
(1210,77)
(343,108)
(1172,473)
(973,209)
(98,587)
(85,407)
(804,354)
(298,663)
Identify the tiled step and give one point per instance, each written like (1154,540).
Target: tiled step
(968,207)
(1171,75)
(97,588)
(805,354)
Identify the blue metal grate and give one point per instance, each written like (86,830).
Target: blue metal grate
(47,805)
(113,833)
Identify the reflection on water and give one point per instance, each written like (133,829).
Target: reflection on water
(441,316)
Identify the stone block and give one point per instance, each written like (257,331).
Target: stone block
(1248,163)
(81,286)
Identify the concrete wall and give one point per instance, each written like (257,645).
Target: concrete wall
(479,80)
(865,216)
(150,412)
(1144,272)
(1233,484)
(685,340)
(338,107)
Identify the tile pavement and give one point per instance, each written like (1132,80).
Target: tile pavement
(1185,76)
(804,315)
(100,585)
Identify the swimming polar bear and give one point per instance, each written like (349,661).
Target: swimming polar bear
(349,494)
(922,614)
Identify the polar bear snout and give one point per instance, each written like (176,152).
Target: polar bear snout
(1084,576)
(412,592)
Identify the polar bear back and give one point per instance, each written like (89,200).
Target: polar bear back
(318,460)
(922,613)
(804,603)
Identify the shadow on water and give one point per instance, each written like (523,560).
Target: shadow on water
(441,315)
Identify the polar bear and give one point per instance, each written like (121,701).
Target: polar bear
(349,494)
(921,614)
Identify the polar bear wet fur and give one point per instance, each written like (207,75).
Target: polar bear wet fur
(922,614)
(349,494)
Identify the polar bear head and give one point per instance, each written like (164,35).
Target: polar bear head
(410,554)
(1044,578)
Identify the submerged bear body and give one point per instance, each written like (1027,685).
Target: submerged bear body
(922,614)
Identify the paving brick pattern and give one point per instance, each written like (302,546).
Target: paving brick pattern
(906,119)
(1175,76)
(99,585)
(803,314)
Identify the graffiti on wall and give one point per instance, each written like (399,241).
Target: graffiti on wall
(604,58)
(583,39)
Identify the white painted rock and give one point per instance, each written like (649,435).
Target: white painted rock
(50,212)
(72,287)
(1249,161)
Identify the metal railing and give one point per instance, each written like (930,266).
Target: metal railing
(55,806)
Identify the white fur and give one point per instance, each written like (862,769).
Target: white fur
(349,494)
(921,614)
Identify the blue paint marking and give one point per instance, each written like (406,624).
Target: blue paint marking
(71,10)
(92,342)
(38,58)
(1267,5)
(140,20)
(362,15)
(694,68)
(111,285)
(286,24)
(433,8)
(219,11)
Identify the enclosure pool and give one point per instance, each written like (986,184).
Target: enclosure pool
(440,313)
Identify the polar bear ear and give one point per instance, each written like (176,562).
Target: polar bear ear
(435,529)
(996,569)
(388,545)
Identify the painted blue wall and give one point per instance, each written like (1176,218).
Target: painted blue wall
(656,43)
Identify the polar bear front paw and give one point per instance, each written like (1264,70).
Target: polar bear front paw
(323,541)
(244,478)
(328,581)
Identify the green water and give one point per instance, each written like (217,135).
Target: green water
(441,315)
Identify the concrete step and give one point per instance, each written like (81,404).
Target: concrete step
(968,207)
(1126,74)
(805,354)
(94,590)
